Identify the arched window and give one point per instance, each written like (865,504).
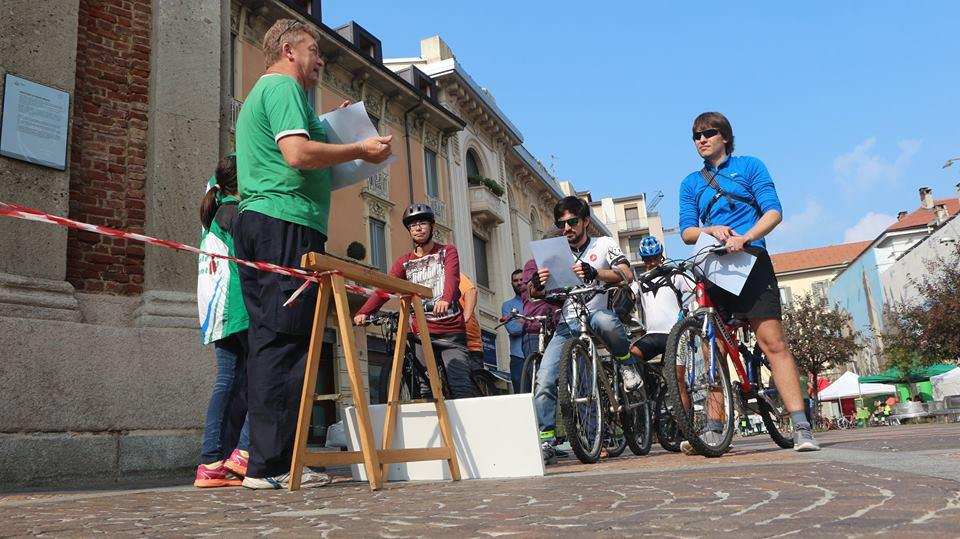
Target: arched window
(473,164)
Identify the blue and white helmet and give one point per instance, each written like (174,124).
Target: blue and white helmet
(650,246)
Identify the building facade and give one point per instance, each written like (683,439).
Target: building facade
(629,222)
(858,288)
(810,271)
(104,375)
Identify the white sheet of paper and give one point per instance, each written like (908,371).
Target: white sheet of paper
(729,271)
(554,254)
(345,126)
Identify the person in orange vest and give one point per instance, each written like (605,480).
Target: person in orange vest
(468,304)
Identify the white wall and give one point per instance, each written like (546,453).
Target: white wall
(896,280)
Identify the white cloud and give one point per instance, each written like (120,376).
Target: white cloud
(862,168)
(868,227)
(801,230)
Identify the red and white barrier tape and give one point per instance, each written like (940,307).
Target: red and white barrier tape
(20,212)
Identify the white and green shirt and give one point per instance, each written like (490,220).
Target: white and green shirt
(275,108)
(219,299)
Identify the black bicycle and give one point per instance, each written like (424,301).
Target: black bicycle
(414,382)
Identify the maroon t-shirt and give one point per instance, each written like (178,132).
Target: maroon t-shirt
(438,270)
(533,306)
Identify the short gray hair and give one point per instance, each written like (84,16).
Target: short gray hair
(283,31)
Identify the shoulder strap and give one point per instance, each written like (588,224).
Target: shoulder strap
(712,182)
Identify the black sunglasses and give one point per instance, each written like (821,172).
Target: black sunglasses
(573,221)
(709,133)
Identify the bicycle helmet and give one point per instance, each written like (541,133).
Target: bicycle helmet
(418,212)
(650,246)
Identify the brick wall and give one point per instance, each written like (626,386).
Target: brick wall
(108,152)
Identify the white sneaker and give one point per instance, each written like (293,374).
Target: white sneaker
(631,379)
(308,479)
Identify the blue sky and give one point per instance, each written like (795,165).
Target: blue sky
(852,105)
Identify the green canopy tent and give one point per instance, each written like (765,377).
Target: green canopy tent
(893,376)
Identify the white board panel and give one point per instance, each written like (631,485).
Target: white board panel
(496,437)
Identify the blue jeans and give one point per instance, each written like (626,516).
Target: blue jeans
(608,327)
(516,370)
(229,351)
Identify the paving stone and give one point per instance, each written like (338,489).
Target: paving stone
(755,491)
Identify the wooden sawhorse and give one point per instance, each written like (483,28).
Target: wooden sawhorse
(375,461)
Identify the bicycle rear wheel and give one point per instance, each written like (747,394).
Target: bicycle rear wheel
(528,375)
(636,420)
(579,400)
(668,434)
(769,405)
(690,377)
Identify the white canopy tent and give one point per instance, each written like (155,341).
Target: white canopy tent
(946,384)
(847,387)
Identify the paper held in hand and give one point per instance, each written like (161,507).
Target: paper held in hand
(729,271)
(346,126)
(555,255)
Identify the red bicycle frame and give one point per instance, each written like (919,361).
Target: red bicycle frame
(727,333)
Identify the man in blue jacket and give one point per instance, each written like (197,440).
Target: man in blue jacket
(515,329)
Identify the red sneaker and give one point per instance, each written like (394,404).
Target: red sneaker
(237,463)
(217,477)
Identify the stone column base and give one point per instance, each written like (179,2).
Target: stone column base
(166,309)
(37,298)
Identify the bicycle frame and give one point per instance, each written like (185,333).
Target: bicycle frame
(587,336)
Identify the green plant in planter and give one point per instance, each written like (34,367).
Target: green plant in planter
(356,250)
(493,185)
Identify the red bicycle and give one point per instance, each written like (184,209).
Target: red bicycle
(703,401)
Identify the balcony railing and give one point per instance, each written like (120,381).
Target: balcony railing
(486,205)
(439,208)
(235,105)
(632,224)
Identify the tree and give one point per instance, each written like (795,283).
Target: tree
(925,330)
(819,337)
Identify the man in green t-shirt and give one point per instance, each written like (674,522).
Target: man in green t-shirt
(283,161)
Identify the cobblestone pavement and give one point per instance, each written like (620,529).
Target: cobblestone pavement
(880,481)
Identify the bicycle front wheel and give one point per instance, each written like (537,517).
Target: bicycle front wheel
(699,390)
(528,376)
(579,400)
(409,384)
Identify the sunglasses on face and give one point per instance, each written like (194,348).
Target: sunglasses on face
(573,221)
(709,133)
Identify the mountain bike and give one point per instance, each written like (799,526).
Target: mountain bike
(695,368)
(596,409)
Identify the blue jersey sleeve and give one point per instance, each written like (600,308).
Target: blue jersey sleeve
(761,184)
(689,213)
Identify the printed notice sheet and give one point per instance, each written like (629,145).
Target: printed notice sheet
(729,271)
(345,126)
(554,254)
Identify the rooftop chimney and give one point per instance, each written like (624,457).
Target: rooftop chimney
(958,191)
(901,215)
(434,49)
(926,198)
(941,214)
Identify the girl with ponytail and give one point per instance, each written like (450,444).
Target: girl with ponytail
(223,322)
